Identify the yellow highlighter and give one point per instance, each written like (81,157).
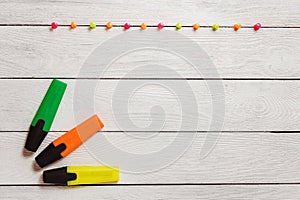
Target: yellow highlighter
(82,175)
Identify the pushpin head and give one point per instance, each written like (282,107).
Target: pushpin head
(196,27)
(143,26)
(54,25)
(257,26)
(73,25)
(93,25)
(160,25)
(215,27)
(236,27)
(109,25)
(178,26)
(126,26)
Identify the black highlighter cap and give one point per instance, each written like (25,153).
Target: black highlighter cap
(58,176)
(50,154)
(35,136)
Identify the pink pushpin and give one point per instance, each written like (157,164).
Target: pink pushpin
(54,25)
(160,25)
(126,26)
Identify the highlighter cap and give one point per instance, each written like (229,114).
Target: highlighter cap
(82,175)
(58,176)
(44,117)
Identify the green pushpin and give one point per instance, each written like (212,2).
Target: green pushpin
(178,26)
(93,25)
(44,117)
(215,27)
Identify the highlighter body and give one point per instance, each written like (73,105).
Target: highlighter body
(65,144)
(82,175)
(45,115)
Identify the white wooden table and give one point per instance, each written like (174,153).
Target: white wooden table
(257,154)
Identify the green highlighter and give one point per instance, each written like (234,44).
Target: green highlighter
(44,117)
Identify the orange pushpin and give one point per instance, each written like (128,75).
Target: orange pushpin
(65,144)
(143,26)
(196,26)
(73,25)
(109,25)
(236,27)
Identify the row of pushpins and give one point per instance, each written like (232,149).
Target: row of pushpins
(143,26)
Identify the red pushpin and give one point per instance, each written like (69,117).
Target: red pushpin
(257,26)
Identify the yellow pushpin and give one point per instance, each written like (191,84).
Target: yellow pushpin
(93,25)
(215,27)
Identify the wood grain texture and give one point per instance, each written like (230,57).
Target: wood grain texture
(63,52)
(249,105)
(287,192)
(277,13)
(244,164)
(236,158)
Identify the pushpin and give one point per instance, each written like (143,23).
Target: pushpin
(81,175)
(215,27)
(109,25)
(236,27)
(257,26)
(126,26)
(73,25)
(93,25)
(178,26)
(54,25)
(160,25)
(143,26)
(44,117)
(65,144)
(196,27)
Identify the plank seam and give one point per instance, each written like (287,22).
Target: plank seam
(296,131)
(155,184)
(175,79)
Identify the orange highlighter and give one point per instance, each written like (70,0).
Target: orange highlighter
(65,144)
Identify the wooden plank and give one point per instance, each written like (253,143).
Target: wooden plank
(153,192)
(249,105)
(277,13)
(236,158)
(62,53)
